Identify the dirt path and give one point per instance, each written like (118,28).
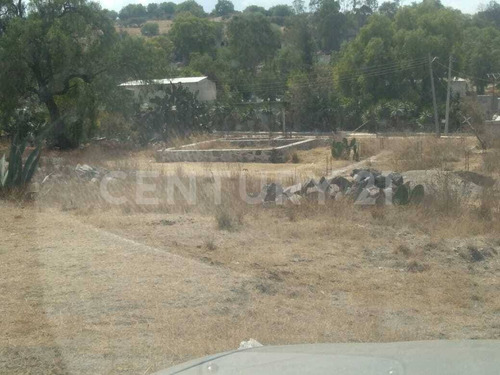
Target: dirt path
(93,301)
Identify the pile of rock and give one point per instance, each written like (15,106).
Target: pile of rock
(364,186)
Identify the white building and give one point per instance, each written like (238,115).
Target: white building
(459,86)
(202,87)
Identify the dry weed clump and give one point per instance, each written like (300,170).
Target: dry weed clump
(491,160)
(228,218)
(210,244)
(370,147)
(426,153)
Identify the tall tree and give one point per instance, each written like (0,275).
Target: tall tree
(330,24)
(61,50)
(255,9)
(482,54)
(192,34)
(252,39)
(133,11)
(490,16)
(167,9)
(299,37)
(223,8)
(192,7)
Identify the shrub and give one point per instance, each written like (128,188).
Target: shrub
(150,29)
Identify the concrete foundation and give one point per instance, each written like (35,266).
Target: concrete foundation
(278,150)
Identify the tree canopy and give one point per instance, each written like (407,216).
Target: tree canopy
(336,63)
(223,8)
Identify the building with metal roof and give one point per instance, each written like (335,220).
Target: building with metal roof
(203,88)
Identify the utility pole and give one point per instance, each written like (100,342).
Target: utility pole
(447,121)
(283,120)
(436,120)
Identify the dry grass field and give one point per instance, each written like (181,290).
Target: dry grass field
(164,26)
(92,287)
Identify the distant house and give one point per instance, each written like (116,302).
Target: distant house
(202,87)
(459,86)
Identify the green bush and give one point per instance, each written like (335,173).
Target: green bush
(150,29)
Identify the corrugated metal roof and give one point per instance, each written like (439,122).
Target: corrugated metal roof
(165,81)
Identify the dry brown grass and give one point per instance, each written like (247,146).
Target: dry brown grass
(92,287)
(164,26)
(491,161)
(428,153)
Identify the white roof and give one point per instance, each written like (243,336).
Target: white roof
(165,81)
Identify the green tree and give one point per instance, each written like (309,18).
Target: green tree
(389,9)
(112,15)
(153,10)
(280,13)
(10,9)
(299,6)
(255,9)
(69,57)
(133,11)
(167,9)
(192,34)
(490,16)
(150,29)
(330,24)
(174,112)
(299,37)
(313,104)
(252,39)
(223,8)
(482,54)
(281,10)
(56,47)
(192,7)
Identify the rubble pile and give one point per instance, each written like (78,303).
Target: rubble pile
(364,186)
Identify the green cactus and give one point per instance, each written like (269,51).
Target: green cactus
(405,195)
(401,195)
(344,148)
(338,149)
(417,194)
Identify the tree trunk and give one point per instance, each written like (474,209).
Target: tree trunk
(59,137)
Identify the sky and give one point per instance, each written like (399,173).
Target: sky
(466,6)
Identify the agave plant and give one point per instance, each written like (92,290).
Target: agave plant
(14,174)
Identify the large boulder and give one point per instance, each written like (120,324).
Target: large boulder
(342,182)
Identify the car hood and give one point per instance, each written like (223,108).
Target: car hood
(398,358)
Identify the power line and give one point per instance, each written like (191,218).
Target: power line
(462,74)
(366,70)
(306,81)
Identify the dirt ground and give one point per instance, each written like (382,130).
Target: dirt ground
(87,290)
